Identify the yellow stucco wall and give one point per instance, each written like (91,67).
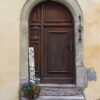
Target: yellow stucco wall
(91,13)
(9,46)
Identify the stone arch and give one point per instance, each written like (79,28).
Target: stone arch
(81,78)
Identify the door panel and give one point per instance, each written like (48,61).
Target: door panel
(53,12)
(57,52)
(57,55)
(51,33)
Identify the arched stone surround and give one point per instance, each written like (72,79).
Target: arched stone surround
(81,74)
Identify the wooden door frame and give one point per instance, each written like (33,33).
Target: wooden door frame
(73,6)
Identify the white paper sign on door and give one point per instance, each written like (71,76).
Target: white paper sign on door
(31,63)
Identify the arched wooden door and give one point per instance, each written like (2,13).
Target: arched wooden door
(51,33)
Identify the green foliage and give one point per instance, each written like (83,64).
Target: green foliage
(31,89)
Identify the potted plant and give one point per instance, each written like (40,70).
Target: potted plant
(31,90)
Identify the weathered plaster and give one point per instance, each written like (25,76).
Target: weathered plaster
(9,46)
(91,74)
(77,15)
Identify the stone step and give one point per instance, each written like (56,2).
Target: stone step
(60,98)
(60,91)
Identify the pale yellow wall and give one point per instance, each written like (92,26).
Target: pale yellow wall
(91,12)
(9,46)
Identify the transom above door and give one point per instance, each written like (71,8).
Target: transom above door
(51,33)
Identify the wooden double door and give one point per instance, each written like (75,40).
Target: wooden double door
(51,33)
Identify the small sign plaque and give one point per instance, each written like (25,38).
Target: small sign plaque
(31,63)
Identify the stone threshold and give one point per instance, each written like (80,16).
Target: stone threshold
(58,85)
(60,98)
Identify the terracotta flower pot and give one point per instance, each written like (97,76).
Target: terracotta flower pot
(31,92)
(29,95)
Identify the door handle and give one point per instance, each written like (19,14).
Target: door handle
(71,46)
